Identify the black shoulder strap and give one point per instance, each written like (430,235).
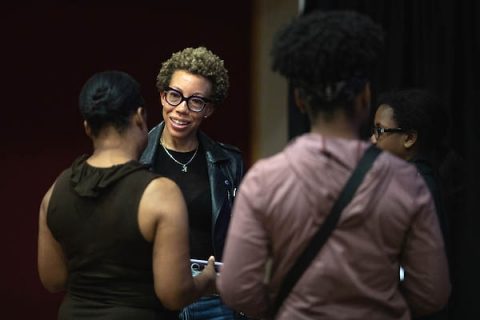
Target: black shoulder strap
(327,227)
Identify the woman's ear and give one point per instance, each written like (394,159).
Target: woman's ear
(299,100)
(88,130)
(362,103)
(410,139)
(140,117)
(209,109)
(367,96)
(160,98)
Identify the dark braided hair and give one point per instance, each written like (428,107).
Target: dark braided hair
(109,98)
(328,56)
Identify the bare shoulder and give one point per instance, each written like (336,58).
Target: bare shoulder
(160,187)
(161,202)
(162,195)
(46,200)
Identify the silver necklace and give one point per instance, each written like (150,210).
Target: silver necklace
(184,165)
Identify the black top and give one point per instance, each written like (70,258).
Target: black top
(432,181)
(225,169)
(93,213)
(196,190)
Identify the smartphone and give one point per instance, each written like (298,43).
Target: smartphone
(198,265)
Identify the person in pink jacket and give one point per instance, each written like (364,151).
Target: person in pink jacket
(282,201)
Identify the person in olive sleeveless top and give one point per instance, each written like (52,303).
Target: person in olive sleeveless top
(111,233)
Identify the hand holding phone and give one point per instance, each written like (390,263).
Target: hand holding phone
(197,265)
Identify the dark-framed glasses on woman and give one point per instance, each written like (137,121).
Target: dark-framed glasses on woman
(378,131)
(194,103)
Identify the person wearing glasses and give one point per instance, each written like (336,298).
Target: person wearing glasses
(284,199)
(111,233)
(413,125)
(191,84)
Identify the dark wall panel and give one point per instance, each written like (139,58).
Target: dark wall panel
(49,49)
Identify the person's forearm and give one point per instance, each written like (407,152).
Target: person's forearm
(204,285)
(187,292)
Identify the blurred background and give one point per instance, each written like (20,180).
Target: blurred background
(50,48)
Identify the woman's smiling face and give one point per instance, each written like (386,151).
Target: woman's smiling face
(181,123)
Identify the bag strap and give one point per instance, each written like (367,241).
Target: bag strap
(327,227)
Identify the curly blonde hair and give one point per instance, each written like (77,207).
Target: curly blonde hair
(199,61)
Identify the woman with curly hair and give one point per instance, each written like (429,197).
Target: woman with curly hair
(192,83)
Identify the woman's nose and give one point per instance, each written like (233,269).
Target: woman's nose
(182,107)
(373,139)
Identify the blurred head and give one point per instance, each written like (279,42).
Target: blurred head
(191,83)
(409,123)
(328,57)
(109,98)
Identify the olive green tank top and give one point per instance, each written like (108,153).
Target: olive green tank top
(93,214)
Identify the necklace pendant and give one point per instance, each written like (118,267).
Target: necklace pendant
(184,165)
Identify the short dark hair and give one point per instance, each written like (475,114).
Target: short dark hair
(109,97)
(419,110)
(328,56)
(199,61)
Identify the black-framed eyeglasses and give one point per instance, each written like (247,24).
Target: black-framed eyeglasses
(378,131)
(194,103)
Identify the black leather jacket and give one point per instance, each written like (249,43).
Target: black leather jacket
(225,171)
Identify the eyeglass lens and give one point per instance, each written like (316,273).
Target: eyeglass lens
(194,103)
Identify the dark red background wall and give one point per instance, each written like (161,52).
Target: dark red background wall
(48,50)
